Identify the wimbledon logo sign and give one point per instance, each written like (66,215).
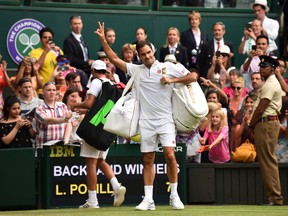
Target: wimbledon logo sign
(22,37)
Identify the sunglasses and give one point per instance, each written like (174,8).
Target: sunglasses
(48,83)
(238,88)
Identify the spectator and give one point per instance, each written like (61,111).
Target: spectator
(156,104)
(29,69)
(74,80)
(15,132)
(141,34)
(233,75)
(218,139)
(282,142)
(251,64)
(221,62)
(243,117)
(234,105)
(270,26)
(250,35)
(256,81)
(4,80)
(52,118)
(128,53)
(46,54)
(26,96)
(71,97)
(58,78)
(172,46)
(63,60)
(279,72)
(193,38)
(76,48)
(266,129)
(110,36)
(94,157)
(208,49)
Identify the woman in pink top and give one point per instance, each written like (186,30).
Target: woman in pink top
(217,135)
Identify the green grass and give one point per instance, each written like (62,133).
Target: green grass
(190,210)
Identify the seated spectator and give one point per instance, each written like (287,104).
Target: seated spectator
(26,96)
(74,80)
(218,138)
(235,105)
(58,78)
(28,68)
(243,117)
(63,60)
(15,131)
(52,118)
(71,97)
(257,82)
(220,64)
(279,73)
(233,75)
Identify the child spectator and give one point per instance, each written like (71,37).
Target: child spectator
(217,135)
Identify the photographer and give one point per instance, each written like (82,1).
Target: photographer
(28,68)
(220,64)
(251,31)
(46,54)
(251,64)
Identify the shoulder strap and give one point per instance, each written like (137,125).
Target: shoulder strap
(131,81)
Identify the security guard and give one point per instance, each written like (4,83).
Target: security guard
(266,127)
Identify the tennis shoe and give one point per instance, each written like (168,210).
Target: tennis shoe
(119,197)
(176,203)
(90,205)
(146,205)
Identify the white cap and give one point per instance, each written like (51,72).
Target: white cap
(98,65)
(170,58)
(225,49)
(260,2)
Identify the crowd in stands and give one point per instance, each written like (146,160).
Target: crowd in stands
(51,83)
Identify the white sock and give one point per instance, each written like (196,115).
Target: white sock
(115,184)
(148,191)
(173,187)
(92,196)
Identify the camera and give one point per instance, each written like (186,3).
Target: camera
(218,53)
(253,47)
(50,41)
(29,59)
(63,68)
(248,26)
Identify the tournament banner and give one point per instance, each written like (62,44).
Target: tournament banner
(65,176)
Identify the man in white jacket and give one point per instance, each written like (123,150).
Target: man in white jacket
(270,26)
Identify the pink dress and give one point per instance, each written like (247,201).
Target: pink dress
(220,152)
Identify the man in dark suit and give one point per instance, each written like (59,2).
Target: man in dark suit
(208,49)
(75,47)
